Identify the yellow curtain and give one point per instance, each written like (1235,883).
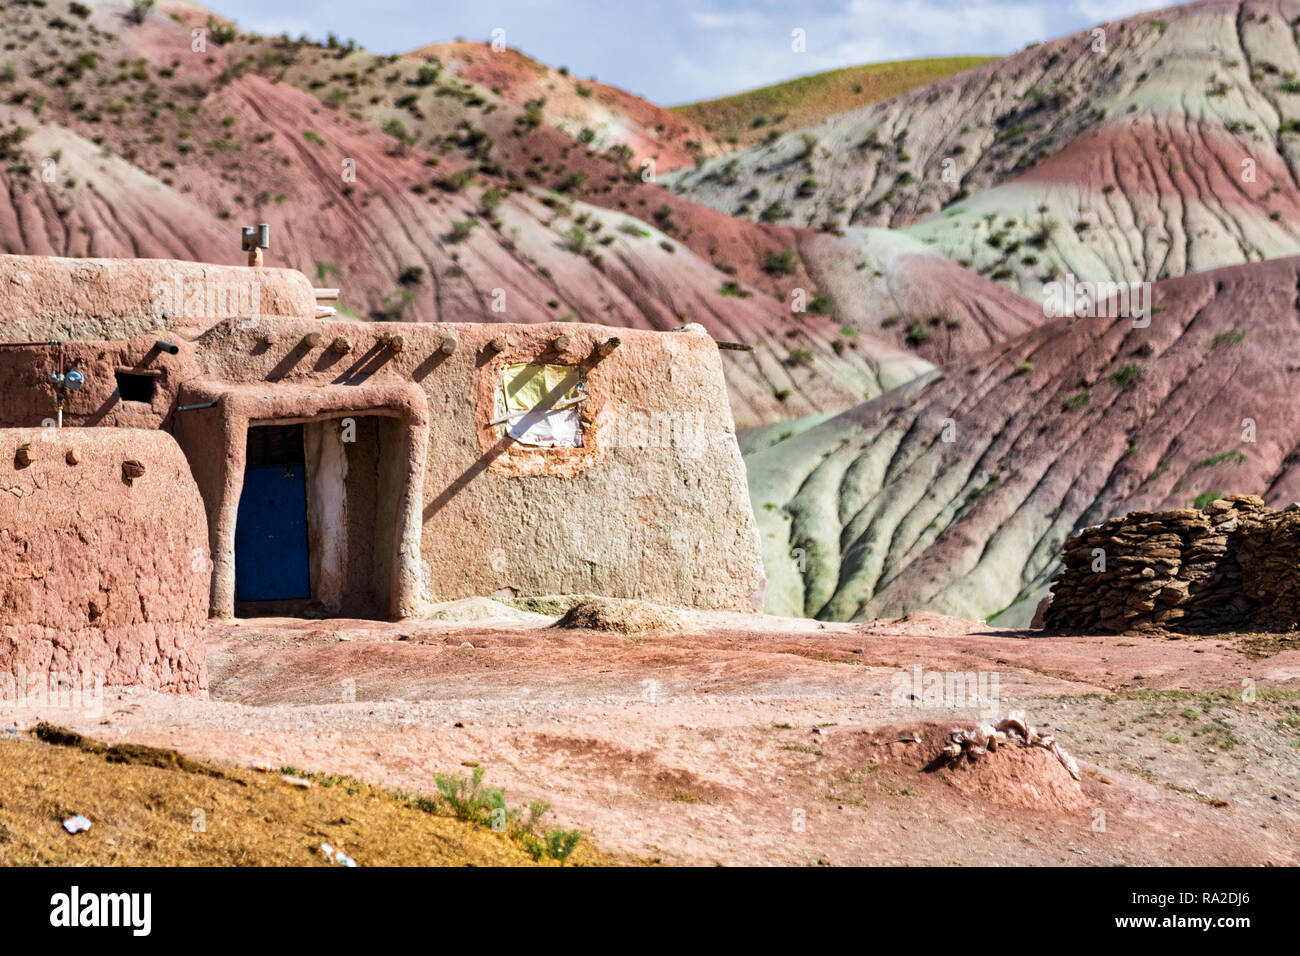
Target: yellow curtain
(527,386)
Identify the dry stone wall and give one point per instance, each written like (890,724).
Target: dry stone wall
(1231,565)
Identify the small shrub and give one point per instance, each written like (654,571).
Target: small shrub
(455,182)
(1126,377)
(393,305)
(1077,401)
(427,75)
(561,843)
(140,9)
(577,239)
(783,263)
(775,212)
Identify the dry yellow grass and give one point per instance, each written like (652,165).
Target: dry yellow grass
(142,803)
(747,118)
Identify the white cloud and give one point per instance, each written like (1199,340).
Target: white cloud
(674,51)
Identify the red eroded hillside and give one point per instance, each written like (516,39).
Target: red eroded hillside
(154,150)
(955,492)
(595,113)
(1150,147)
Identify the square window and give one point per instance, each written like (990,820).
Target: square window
(541,405)
(135,388)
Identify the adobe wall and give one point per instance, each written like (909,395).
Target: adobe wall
(654,506)
(101,574)
(49,297)
(1230,566)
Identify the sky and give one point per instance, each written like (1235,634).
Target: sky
(679,51)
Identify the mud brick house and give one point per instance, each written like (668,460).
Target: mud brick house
(167,420)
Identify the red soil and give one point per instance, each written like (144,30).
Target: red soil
(763,740)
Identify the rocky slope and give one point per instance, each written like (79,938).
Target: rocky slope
(119,139)
(956,491)
(1151,147)
(600,115)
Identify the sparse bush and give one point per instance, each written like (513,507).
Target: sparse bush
(1126,377)
(571,182)
(577,238)
(393,305)
(783,263)
(427,75)
(140,9)
(775,212)
(799,357)
(1235,456)
(561,843)
(1077,401)
(455,182)
(918,334)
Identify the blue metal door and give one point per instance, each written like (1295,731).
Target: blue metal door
(271,534)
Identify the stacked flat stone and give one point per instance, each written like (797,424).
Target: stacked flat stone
(1168,570)
(1270,567)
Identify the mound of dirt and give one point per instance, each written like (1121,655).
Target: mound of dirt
(1012,775)
(475,609)
(620,617)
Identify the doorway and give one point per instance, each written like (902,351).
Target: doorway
(271,553)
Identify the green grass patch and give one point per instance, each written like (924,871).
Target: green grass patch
(744,118)
(1234,456)
(1231,337)
(1126,377)
(1077,401)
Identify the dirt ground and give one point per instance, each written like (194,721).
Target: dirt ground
(154,807)
(759,740)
